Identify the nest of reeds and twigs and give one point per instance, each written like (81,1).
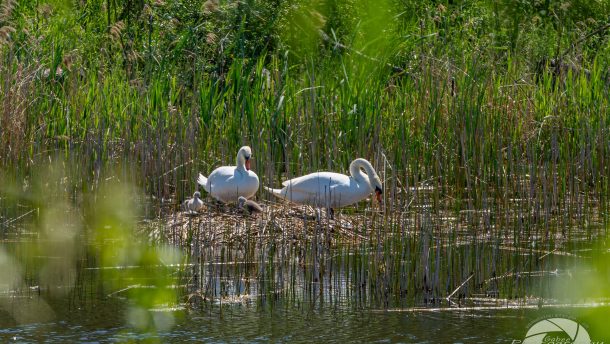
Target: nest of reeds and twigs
(222,224)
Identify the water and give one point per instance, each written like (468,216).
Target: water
(241,307)
(103,322)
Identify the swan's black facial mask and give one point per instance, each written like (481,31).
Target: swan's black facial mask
(248,163)
(378,193)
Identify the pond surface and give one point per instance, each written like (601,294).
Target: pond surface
(93,308)
(104,322)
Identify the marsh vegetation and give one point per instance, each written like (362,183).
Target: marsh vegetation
(487,122)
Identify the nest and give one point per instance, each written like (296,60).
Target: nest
(221,224)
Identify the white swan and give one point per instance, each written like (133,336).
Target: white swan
(332,190)
(227,183)
(193,204)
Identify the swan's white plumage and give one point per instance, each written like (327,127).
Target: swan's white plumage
(203,181)
(228,183)
(329,189)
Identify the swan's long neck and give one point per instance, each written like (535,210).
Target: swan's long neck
(354,169)
(240,161)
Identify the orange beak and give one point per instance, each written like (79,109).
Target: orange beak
(248,164)
(378,195)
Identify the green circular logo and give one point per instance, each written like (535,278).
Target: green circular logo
(557,331)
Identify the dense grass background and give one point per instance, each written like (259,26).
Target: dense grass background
(488,121)
(469,96)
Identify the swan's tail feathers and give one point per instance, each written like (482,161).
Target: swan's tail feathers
(276,192)
(272,190)
(203,181)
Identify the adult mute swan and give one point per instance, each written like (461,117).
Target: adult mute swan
(332,190)
(227,183)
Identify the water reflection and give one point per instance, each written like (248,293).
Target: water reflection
(290,323)
(244,303)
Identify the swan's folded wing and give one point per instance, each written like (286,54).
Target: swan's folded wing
(314,182)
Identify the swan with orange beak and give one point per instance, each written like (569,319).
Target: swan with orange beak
(228,183)
(332,190)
